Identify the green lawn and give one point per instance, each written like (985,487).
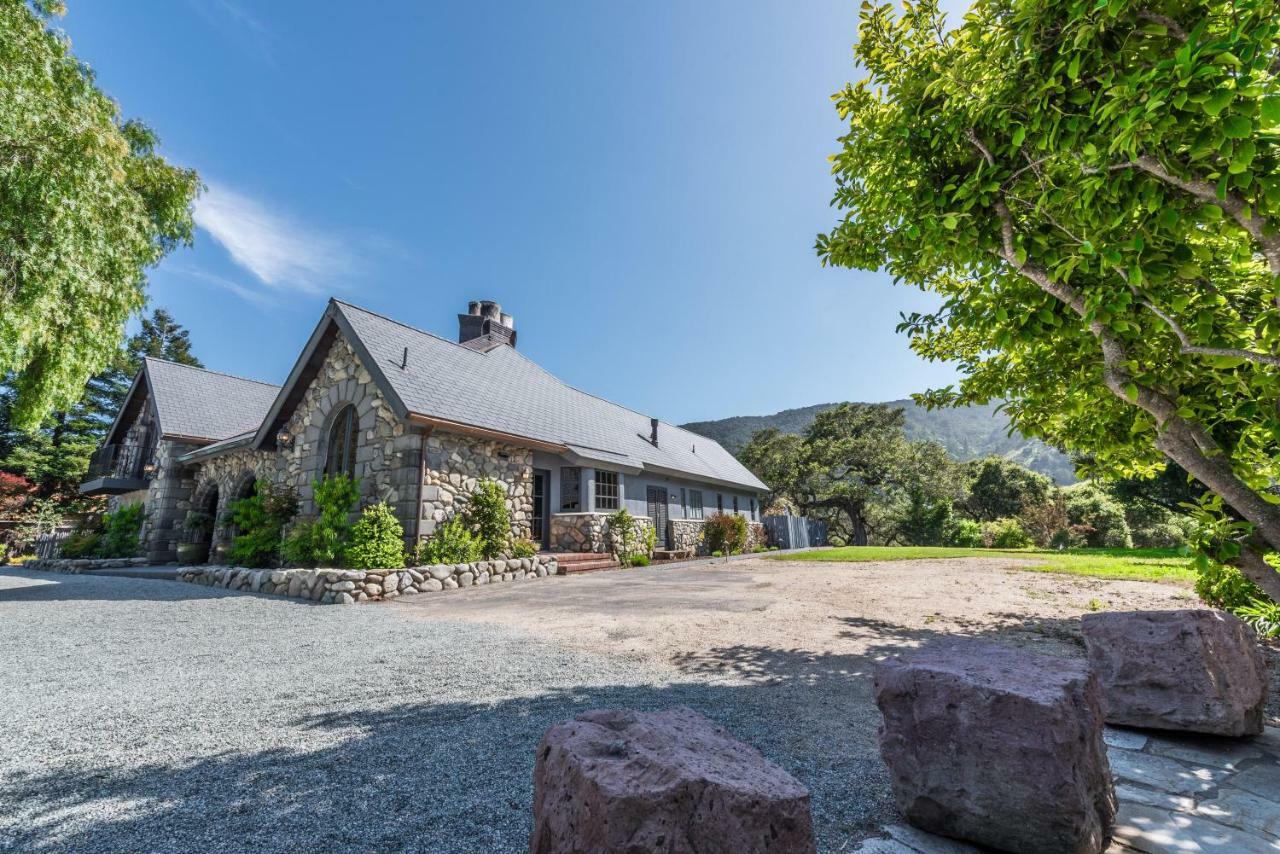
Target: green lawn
(1138,564)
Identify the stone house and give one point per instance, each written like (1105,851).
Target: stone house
(419,420)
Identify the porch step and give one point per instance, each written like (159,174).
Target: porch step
(574,562)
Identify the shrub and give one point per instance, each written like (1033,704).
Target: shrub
(963,533)
(197,525)
(1043,520)
(80,543)
(377,540)
(1006,533)
(640,560)
(1089,505)
(717,554)
(260,519)
(1071,537)
(322,541)
(452,542)
(489,519)
(523,548)
(121,530)
(1224,586)
(1263,615)
(725,532)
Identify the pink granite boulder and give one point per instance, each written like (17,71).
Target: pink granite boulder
(1195,670)
(997,746)
(615,780)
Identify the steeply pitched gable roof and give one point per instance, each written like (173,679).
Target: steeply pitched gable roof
(501,391)
(193,403)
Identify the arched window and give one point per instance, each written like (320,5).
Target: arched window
(341,455)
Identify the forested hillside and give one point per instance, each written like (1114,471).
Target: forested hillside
(967,433)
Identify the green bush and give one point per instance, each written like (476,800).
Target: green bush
(963,533)
(322,541)
(725,532)
(1224,586)
(121,530)
(452,542)
(717,554)
(1263,615)
(1006,533)
(377,540)
(523,548)
(489,519)
(640,560)
(260,519)
(80,543)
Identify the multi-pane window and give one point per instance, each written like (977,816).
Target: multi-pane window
(735,505)
(695,504)
(340,455)
(719,502)
(606,490)
(570,490)
(753,510)
(684,503)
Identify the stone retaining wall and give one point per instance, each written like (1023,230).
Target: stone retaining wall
(75,566)
(348,586)
(686,534)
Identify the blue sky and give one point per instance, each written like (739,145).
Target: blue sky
(639,184)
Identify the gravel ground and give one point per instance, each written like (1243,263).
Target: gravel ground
(168,717)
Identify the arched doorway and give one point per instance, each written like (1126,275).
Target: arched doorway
(198,527)
(245,486)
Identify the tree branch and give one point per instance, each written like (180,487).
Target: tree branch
(1165,21)
(1236,207)
(1197,350)
(1253,567)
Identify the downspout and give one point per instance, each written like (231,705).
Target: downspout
(422,480)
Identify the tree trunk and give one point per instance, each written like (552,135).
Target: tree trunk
(859,528)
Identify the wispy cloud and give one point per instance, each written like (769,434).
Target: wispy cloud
(238,23)
(279,252)
(253,295)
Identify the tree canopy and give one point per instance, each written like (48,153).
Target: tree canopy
(86,205)
(1092,188)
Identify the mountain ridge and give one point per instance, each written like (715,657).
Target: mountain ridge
(967,432)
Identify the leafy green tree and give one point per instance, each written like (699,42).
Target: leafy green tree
(1093,190)
(1101,517)
(86,206)
(56,455)
(1000,487)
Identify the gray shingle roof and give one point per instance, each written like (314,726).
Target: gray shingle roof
(503,391)
(200,404)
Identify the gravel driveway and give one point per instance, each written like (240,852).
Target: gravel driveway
(168,717)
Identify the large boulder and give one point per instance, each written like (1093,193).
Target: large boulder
(997,746)
(615,780)
(1195,670)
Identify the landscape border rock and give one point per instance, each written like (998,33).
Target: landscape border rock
(998,746)
(75,566)
(1190,670)
(349,586)
(618,780)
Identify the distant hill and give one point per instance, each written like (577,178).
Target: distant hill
(966,432)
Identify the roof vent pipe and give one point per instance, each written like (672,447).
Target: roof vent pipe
(653,431)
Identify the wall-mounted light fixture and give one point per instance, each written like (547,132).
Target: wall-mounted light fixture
(149,470)
(284,439)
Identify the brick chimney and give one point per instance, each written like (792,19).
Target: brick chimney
(484,326)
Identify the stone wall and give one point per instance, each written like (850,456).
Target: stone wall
(686,534)
(388,453)
(168,500)
(75,566)
(589,532)
(455,466)
(348,586)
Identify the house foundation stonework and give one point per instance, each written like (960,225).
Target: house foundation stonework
(455,466)
(686,535)
(589,532)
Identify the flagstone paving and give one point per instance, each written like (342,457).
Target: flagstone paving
(1177,793)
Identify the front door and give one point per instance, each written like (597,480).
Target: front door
(541,529)
(657,497)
